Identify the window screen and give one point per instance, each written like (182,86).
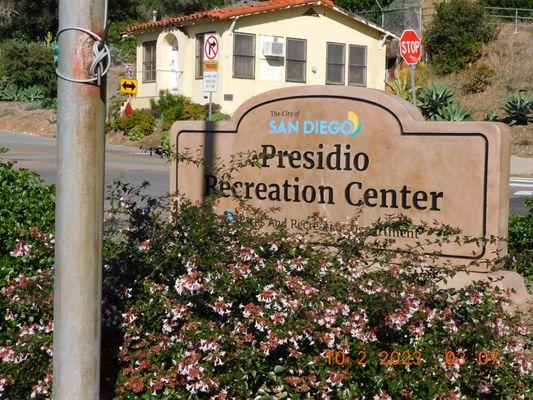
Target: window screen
(357,66)
(199,65)
(296,60)
(336,60)
(244,56)
(149,57)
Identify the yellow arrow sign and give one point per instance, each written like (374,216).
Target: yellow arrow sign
(128,86)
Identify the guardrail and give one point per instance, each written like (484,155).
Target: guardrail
(522,16)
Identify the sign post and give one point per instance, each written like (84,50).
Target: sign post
(211,56)
(411,50)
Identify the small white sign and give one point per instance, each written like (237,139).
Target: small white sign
(210,81)
(129,71)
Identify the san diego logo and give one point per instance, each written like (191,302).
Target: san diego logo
(351,126)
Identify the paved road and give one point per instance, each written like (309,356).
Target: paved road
(133,166)
(121,163)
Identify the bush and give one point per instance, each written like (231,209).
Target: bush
(220,116)
(28,64)
(456,34)
(194,111)
(141,122)
(198,305)
(166,101)
(172,114)
(478,78)
(26,203)
(170,107)
(519,109)
(521,243)
(165,141)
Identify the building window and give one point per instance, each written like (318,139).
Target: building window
(244,55)
(335,56)
(296,64)
(149,65)
(357,66)
(199,65)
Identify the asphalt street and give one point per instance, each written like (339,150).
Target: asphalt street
(133,166)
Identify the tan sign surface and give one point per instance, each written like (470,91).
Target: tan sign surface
(330,150)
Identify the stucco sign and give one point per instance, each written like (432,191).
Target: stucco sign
(332,150)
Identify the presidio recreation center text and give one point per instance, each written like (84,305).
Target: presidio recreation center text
(339,158)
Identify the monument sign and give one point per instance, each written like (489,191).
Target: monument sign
(335,150)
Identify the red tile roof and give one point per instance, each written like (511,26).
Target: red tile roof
(229,12)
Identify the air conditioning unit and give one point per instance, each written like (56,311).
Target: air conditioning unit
(273,47)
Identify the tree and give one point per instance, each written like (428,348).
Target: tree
(456,34)
(33,20)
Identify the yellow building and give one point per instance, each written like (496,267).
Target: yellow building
(263,45)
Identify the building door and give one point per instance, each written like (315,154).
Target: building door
(174,72)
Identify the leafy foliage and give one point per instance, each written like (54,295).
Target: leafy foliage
(400,87)
(521,242)
(25,203)
(123,50)
(454,112)
(194,111)
(27,64)
(32,20)
(137,125)
(11,93)
(456,34)
(478,78)
(433,99)
(519,108)
(199,305)
(33,93)
(170,106)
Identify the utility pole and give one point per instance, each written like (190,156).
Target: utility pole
(79,204)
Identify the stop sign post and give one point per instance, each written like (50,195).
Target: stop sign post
(411,50)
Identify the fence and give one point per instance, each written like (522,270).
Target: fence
(411,14)
(521,17)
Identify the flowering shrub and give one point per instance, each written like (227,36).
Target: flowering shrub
(198,305)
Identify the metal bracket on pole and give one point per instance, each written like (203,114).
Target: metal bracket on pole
(101,53)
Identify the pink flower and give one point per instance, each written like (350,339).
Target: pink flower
(21,249)
(144,245)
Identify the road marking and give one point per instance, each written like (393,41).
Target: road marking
(524,193)
(525,185)
(525,180)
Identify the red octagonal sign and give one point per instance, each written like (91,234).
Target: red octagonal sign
(410,46)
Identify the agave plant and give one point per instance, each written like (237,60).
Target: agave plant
(11,93)
(454,112)
(519,109)
(32,93)
(433,99)
(400,87)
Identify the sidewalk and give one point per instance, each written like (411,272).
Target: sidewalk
(521,166)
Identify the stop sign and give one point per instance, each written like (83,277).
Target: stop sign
(410,46)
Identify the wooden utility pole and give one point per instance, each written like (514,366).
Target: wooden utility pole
(79,206)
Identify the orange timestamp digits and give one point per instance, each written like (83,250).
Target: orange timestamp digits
(405,358)
(484,357)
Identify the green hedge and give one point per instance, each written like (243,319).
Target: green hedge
(26,64)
